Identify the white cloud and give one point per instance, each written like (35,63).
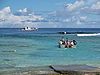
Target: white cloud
(7,17)
(96,6)
(6,10)
(23,10)
(81,13)
(78,22)
(66,20)
(83,18)
(93,9)
(75,5)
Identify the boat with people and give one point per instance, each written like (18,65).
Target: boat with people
(67,43)
(29,29)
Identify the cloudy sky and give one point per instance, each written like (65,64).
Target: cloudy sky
(50,13)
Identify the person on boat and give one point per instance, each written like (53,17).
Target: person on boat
(60,43)
(69,44)
(63,40)
(66,43)
(74,42)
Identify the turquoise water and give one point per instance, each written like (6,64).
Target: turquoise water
(41,49)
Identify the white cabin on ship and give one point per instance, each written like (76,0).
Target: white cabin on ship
(29,29)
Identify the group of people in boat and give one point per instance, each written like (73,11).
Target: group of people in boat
(67,43)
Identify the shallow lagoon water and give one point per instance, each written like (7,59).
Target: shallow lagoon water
(23,49)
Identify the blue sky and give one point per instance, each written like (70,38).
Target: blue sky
(37,5)
(50,13)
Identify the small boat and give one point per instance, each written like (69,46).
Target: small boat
(29,29)
(67,44)
(62,32)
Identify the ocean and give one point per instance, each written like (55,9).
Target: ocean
(39,48)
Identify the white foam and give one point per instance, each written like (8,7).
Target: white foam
(95,34)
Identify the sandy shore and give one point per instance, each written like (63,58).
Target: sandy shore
(53,70)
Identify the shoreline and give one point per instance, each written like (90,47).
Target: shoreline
(53,70)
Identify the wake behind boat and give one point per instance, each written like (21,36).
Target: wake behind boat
(29,29)
(95,34)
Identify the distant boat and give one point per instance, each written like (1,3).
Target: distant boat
(63,32)
(29,29)
(95,34)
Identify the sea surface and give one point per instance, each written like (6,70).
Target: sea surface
(39,48)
